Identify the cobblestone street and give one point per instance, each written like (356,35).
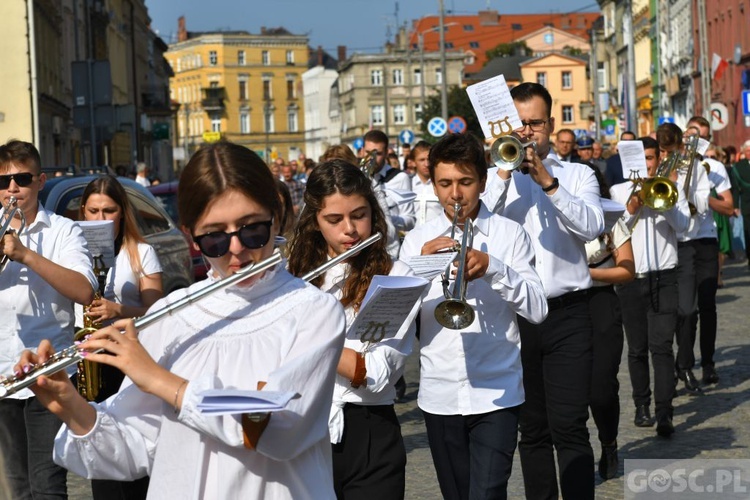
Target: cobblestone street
(712,425)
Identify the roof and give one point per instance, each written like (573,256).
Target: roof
(508,66)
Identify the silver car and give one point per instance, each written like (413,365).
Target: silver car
(62,195)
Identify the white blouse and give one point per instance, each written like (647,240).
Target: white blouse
(279,330)
(384,361)
(600,255)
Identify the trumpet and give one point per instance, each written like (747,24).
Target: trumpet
(369,163)
(454,312)
(72,355)
(11,210)
(508,152)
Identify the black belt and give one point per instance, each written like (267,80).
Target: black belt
(567,299)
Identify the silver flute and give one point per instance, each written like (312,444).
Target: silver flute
(72,355)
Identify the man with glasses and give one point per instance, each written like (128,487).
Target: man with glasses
(48,269)
(564,145)
(559,206)
(393,182)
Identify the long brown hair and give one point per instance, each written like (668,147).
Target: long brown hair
(309,249)
(129,236)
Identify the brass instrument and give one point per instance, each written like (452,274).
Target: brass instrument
(369,163)
(508,152)
(454,312)
(71,355)
(659,192)
(11,210)
(89,373)
(687,159)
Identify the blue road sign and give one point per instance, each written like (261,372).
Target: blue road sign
(359,143)
(746,102)
(457,124)
(406,136)
(666,119)
(437,127)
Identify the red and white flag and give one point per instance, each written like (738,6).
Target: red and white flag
(718,66)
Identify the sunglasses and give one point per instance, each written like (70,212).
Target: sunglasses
(23,179)
(252,236)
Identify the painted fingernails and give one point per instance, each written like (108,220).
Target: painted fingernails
(83,354)
(26,368)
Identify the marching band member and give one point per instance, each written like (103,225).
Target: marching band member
(649,303)
(471,384)
(427,203)
(268,328)
(341,209)
(558,204)
(48,269)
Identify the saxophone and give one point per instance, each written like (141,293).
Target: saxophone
(90,373)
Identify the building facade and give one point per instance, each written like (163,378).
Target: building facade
(322,120)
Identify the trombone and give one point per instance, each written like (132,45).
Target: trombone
(658,193)
(454,312)
(508,152)
(11,210)
(686,160)
(369,163)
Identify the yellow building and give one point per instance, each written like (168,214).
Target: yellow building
(565,78)
(242,87)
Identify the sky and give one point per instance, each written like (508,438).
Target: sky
(361,25)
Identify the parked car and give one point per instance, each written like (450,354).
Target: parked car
(62,195)
(166,194)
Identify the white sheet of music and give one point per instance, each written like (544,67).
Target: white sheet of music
(100,236)
(492,103)
(387,305)
(429,266)
(633,159)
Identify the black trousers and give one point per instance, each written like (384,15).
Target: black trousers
(473,454)
(649,314)
(606,322)
(697,278)
(370,460)
(556,357)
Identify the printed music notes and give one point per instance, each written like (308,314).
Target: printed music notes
(494,107)
(100,236)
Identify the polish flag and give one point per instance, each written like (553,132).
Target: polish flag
(718,66)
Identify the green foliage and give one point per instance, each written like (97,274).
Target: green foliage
(509,49)
(458,105)
(572,51)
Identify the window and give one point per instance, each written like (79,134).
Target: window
(244,122)
(149,219)
(376,77)
(541,78)
(448,45)
(418,113)
(399,114)
(468,27)
(215,123)
(290,94)
(601,75)
(567,80)
(267,89)
(417,80)
(398,77)
(241,57)
(213,59)
(290,57)
(438,76)
(265,57)
(474,45)
(567,114)
(291,120)
(376,115)
(270,124)
(243,90)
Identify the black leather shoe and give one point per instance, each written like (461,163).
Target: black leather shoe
(609,463)
(691,383)
(664,425)
(400,389)
(643,417)
(709,375)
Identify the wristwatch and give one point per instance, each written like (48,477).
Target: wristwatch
(555,184)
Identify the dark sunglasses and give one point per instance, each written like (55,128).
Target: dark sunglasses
(23,179)
(252,236)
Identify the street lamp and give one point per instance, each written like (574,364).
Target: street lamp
(443,71)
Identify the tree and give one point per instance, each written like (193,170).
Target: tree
(572,51)
(509,49)
(458,105)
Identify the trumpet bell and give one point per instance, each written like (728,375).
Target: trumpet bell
(507,152)
(659,193)
(454,314)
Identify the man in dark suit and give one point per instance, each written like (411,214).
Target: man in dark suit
(740,179)
(613,173)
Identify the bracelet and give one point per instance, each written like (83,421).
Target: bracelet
(555,184)
(360,371)
(177,395)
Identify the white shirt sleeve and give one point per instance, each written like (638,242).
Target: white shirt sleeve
(580,210)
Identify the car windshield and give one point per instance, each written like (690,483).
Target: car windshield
(168,202)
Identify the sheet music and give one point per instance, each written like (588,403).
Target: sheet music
(233,401)
(100,236)
(429,266)
(389,302)
(633,158)
(492,102)
(703,145)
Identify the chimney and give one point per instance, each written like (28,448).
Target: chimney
(182,34)
(262,30)
(320,55)
(488,17)
(342,53)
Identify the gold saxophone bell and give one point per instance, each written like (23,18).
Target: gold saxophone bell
(507,152)
(89,376)
(454,312)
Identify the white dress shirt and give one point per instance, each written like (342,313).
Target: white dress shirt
(278,330)
(427,204)
(698,194)
(142,180)
(384,361)
(478,369)
(718,179)
(559,225)
(402,214)
(31,310)
(655,233)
